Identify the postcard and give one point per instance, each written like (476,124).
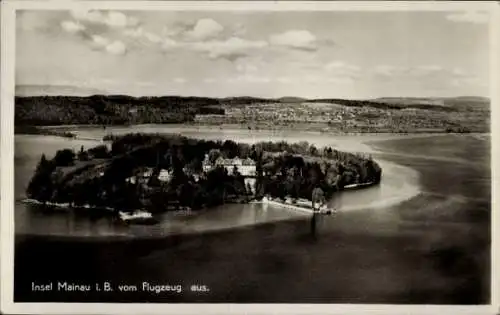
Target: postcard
(249,157)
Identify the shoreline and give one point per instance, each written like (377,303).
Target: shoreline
(315,130)
(117,212)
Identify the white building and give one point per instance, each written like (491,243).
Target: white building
(165,175)
(145,175)
(246,167)
(249,181)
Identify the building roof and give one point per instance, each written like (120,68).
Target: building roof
(236,161)
(248,161)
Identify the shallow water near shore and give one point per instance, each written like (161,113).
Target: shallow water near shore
(422,236)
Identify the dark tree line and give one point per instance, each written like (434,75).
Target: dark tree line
(110,110)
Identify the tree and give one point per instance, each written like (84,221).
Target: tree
(100,152)
(43,165)
(64,157)
(83,156)
(249,189)
(313,150)
(318,196)
(213,155)
(40,186)
(230,148)
(236,172)
(153,179)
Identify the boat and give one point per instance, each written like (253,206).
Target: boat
(356,186)
(302,205)
(137,217)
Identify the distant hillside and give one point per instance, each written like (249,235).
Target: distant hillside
(385,104)
(471,98)
(457,103)
(410,100)
(469,103)
(291,99)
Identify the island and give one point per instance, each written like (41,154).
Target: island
(153,173)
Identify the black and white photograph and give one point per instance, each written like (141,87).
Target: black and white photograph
(214,153)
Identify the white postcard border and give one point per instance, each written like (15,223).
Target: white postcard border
(7,158)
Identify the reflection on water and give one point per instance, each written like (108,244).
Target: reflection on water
(313,225)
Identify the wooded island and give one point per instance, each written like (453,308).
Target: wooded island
(158,173)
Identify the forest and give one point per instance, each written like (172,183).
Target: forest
(110,110)
(98,176)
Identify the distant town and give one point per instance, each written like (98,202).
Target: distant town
(331,117)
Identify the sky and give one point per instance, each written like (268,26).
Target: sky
(264,54)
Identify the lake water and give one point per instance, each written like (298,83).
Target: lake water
(422,236)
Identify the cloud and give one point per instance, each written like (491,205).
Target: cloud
(153,37)
(239,29)
(112,19)
(177,28)
(311,78)
(169,44)
(204,29)
(458,72)
(389,71)
(463,82)
(284,79)
(339,80)
(180,80)
(426,70)
(139,33)
(145,83)
(100,41)
(116,48)
(87,15)
(475,17)
(341,68)
(251,64)
(252,78)
(134,32)
(246,67)
(231,49)
(120,20)
(203,36)
(415,71)
(430,68)
(428,74)
(72,27)
(298,39)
